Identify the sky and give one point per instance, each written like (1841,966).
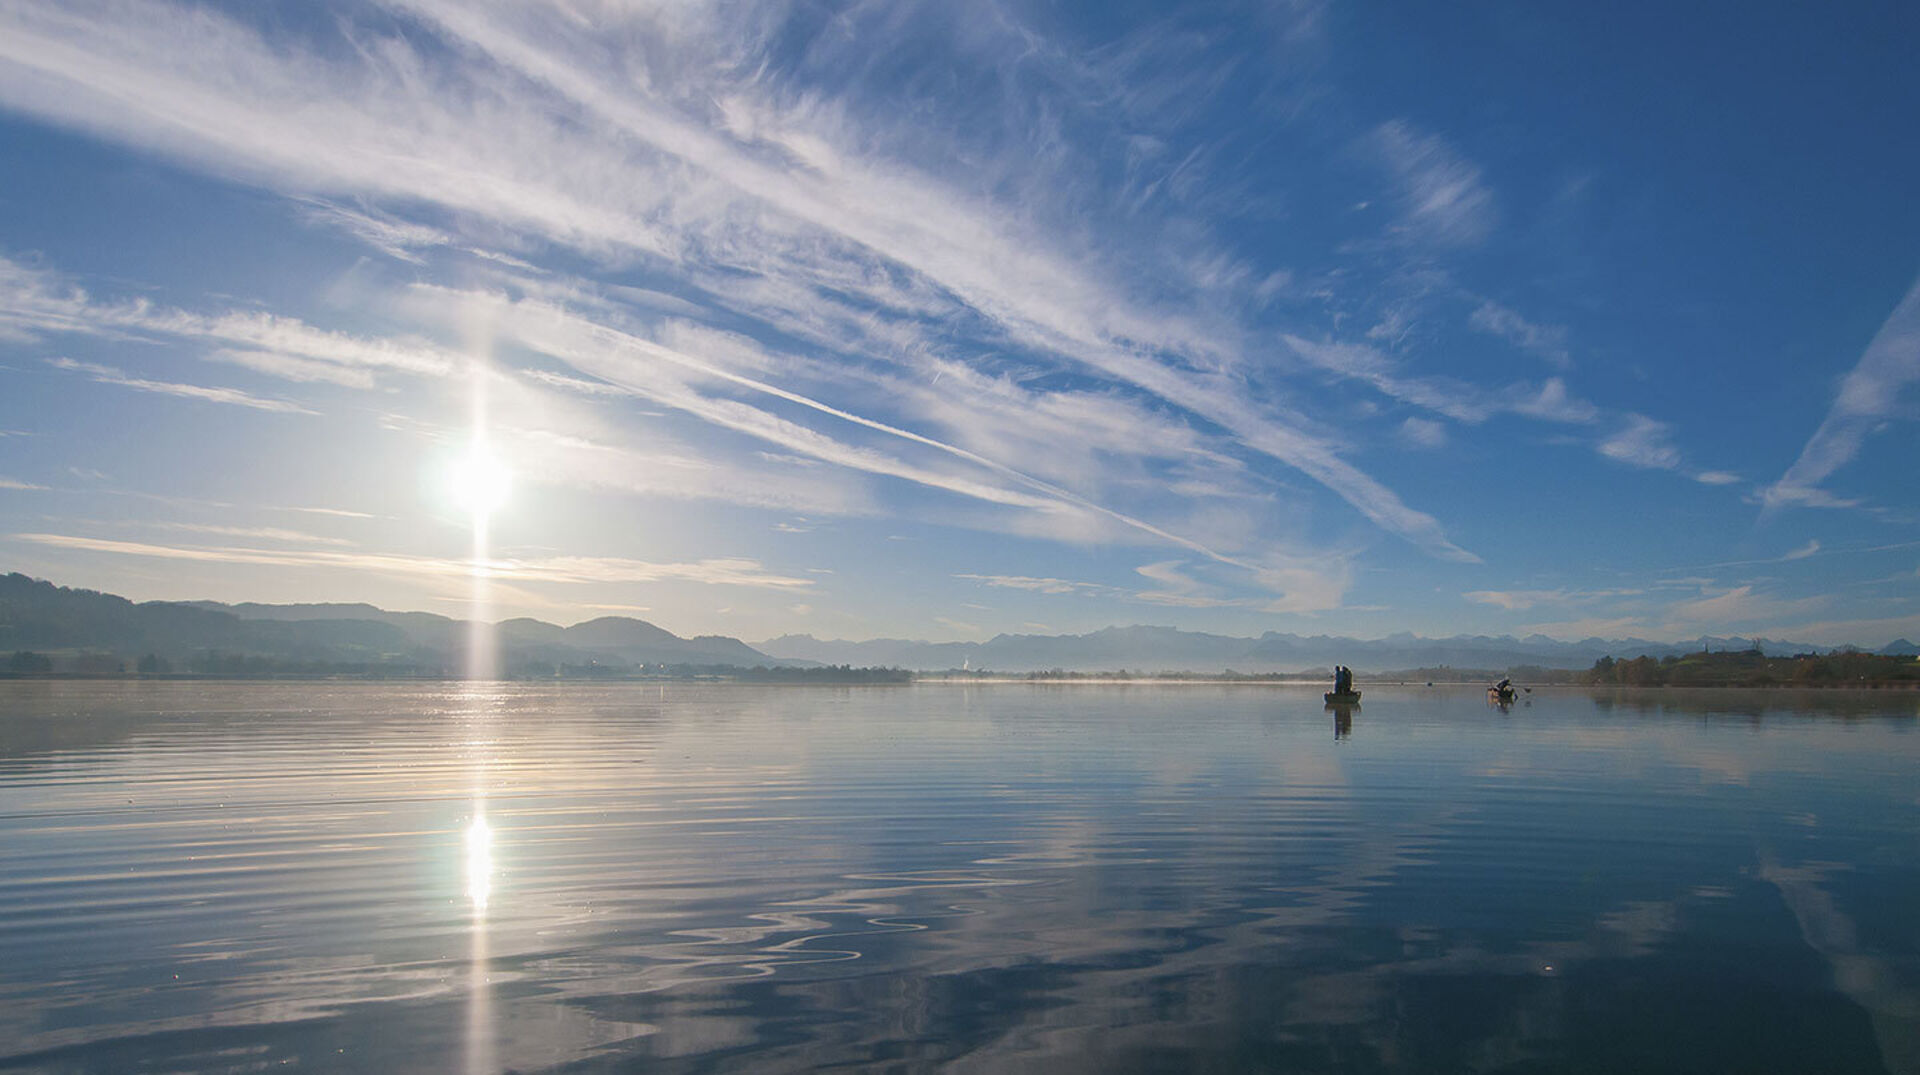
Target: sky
(935,320)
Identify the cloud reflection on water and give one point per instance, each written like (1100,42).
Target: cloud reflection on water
(739,878)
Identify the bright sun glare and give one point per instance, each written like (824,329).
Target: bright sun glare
(480,482)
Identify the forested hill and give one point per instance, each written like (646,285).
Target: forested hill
(80,630)
(1752,668)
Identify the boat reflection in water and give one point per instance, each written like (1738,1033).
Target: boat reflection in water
(1343,710)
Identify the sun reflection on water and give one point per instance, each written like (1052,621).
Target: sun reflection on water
(479,863)
(481,1033)
(481,706)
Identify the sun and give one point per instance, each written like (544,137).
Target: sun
(479,482)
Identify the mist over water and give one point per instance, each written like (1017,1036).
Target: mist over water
(491,877)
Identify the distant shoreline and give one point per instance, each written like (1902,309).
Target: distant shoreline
(1091,679)
(54,630)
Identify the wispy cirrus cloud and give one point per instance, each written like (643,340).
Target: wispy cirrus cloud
(574,570)
(1303,587)
(1514,600)
(341,512)
(1522,600)
(1695,607)
(1035,584)
(1593,627)
(1176,588)
(1842,631)
(643,368)
(1643,443)
(966,250)
(1869,396)
(1442,196)
(289,368)
(1811,548)
(36,303)
(780,195)
(1442,395)
(1423,433)
(1736,607)
(263,533)
(393,236)
(649,464)
(1553,402)
(1648,444)
(232,396)
(1548,342)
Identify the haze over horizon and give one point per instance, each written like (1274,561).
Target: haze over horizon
(942,321)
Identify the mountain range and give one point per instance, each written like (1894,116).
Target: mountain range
(40,616)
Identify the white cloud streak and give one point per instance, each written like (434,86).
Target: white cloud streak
(1804,551)
(36,303)
(341,512)
(232,396)
(288,368)
(264,533)
(401,239)
(1043,585)
(1177,589)
(1736,607)
(1548,342)
(573,570)
(1643,443)
(1522,600)
(1442,197)
(1553,403)
(1868,397)
(1423,433)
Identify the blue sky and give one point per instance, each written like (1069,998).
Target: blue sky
(940,320)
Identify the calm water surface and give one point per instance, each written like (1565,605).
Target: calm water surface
(367,877)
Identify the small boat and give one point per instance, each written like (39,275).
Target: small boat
(1501,695)
(1343,697)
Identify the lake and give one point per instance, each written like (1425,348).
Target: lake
(708,877)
